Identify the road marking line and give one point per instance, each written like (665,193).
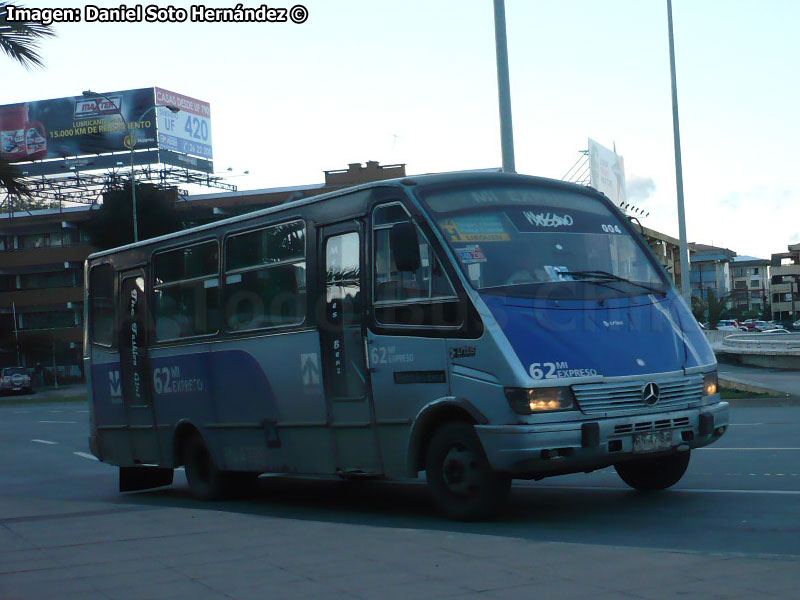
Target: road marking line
(743,424)
(21,412)
(44,442)
(670,491)
(68,422)
(81,411)
(84,455)
(55,411)
(748,448)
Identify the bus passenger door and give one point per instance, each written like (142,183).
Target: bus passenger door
(135,367)
(351,414)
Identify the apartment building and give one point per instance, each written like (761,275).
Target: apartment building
(710,269)
(750,283)
(785,284)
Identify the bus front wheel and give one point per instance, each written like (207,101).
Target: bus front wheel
(463,485)
(652,474)
(205,480)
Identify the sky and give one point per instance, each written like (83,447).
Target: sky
(415,82)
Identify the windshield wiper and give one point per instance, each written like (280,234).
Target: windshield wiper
(600,277)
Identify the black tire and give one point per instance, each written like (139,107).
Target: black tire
(463,485)
(653,474)
(206,481)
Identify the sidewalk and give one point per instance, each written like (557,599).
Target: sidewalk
(79,550)
(758,379)
(48,394)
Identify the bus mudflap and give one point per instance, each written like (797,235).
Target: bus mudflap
(132,479)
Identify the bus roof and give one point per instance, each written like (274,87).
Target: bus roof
(423,181)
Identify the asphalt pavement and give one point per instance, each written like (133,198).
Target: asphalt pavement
(729,529)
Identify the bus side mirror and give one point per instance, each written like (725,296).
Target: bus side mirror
(405,246)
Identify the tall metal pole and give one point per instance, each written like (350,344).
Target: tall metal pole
(503,87)
(685,287)
(16,333)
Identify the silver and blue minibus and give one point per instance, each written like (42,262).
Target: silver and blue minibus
(478,327)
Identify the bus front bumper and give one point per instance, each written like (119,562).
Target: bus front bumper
(535,451)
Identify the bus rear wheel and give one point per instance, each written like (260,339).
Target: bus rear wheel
(653,474)
(206,481)
(463,485)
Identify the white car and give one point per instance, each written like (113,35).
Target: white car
(727,325)
(796,325)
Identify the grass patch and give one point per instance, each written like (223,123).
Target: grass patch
(728,394)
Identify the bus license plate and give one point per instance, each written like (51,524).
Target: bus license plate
(652,442)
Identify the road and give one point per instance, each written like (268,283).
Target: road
(739,495)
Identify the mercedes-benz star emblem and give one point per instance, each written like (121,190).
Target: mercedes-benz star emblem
(650,393)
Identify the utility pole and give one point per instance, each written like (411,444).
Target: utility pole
(503,87)
(685,287)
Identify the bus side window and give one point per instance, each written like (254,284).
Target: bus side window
(265,277)
(393,287)
(101,304)
(186,291)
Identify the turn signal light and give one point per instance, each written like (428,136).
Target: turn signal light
(710,384)
(529,401)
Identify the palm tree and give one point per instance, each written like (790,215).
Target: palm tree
(20,40)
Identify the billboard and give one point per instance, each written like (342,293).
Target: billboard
(50,132)
(607,172)
(187,131)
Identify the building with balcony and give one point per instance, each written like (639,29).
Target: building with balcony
(42,253)
(785,284)
(710,270)
(750,283)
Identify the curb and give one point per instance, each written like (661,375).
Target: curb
(732,384)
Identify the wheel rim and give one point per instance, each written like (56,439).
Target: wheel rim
(461,472)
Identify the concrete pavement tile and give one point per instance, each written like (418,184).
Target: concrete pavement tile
(296,590)
(289,592)
(376,580)
(423,588)
(12,541)
(557,590)
(53,594)
(29,564)
(335,567)
(111,579)
(32,585)
(267,577)
(201,556)
(163,591)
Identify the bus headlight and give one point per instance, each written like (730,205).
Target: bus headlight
(529,401)
(710,384)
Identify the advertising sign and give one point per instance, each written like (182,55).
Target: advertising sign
(187,131)
(76,126)
(47,136)
(607,172)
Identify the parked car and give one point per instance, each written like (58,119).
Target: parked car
(776,330)
(796,325)
(728,325)
(15,379)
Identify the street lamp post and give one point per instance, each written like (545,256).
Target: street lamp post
(685,287)
(132,144)
(503,87)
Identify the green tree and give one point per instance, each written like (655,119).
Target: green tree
(699,308)
(717,308)
(113,225)
(19,40)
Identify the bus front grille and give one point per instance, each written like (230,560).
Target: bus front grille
(627,396)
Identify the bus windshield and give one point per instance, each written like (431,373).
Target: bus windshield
(530,241)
